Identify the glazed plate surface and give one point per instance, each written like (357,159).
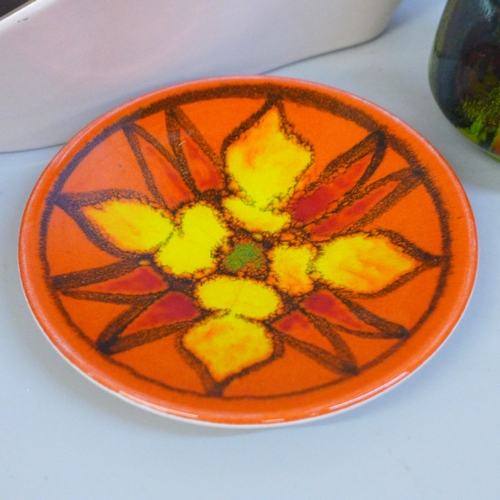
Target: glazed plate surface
(247,251)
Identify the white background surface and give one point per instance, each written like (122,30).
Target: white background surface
(434,436)
(70,61)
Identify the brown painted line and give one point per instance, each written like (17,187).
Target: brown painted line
(388,329)
(72,204)
(408,182)
(140,131)
(87,277)
(328,330)
(114,328)
(115,298)
(322,357)
(374,143)
(190,128)
(142,337)
(181,163)
(146,173)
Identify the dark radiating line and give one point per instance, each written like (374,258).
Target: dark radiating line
(374,143)
(407,182)
(181,163)
(342,349)
(91,276)
(115,298)
(410,248)
(333,362)
(191,129)
(108,336)
(72,204)
(137,339)
(152,140)
(388,329)
(130,134)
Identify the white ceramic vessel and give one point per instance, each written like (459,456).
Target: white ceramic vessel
(65,62)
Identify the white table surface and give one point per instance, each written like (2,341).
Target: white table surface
(434,436)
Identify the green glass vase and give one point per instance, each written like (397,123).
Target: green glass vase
(465,70)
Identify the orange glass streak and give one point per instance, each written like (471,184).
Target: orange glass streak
(315,204)
(202,169)
(325,305)
(337,222)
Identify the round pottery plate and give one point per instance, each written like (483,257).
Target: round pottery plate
(247,251)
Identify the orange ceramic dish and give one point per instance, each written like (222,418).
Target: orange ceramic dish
(248,251)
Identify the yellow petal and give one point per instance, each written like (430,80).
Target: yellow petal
(291,266)
(130,224)
(363,263)
(228,344)
(249,298)
(192,245)
(254,219)
(265,161)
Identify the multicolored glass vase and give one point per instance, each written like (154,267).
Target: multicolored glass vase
(465,70)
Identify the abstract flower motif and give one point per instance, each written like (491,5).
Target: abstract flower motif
(249,244)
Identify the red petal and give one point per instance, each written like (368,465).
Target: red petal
(340,176)
(167,179)
(315,204)
(298,326)
(172,308)
(326,305)
(349,215)
(142,280)
(202,169)
(155,128)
